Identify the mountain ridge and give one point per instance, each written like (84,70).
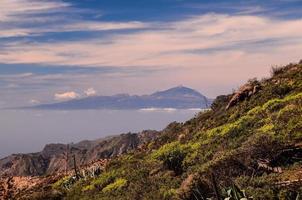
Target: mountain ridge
(52,159)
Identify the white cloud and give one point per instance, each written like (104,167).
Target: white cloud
(66,96)
(90,92)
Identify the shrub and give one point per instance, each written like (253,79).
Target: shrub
(116,185)
(281,90)
(286,194)
(172,155)
(275,70)
(105,179)
(65,183)
(168,194)
(220,102)
(88,188)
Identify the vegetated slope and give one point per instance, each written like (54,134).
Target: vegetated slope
(177,97)
(52,159)
(250,140)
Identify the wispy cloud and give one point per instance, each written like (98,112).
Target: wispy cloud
(180,43)
(19,18)
(169,46)
(16,76)
(101,26)
(12,10)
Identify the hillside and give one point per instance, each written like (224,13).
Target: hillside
(248,144)
(177,97)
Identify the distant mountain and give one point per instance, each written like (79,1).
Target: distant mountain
(177,97)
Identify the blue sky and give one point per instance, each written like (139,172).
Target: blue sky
(52,50)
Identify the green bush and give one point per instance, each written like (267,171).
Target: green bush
(105,179)
(172,155)
(116,185)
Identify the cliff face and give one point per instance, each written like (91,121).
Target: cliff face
(53,157)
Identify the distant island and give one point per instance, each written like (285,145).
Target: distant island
(177,98)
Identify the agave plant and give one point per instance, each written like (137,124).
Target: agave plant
(234,193)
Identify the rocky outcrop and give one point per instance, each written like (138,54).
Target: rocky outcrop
(244,92)
(56,158)
(21,187)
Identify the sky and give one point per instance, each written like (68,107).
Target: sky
(55,50)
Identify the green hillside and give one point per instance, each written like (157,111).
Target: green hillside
(248,145)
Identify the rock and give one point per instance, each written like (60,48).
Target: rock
(181,138)
(244,92)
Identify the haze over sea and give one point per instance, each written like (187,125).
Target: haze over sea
(25,131)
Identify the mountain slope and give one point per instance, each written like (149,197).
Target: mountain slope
(250,140)
(178,97)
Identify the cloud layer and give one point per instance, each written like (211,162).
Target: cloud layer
(185,43)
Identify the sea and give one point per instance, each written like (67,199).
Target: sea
(27,131)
